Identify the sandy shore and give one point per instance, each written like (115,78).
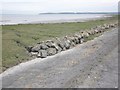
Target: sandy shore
(58,21)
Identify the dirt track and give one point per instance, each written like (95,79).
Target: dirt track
(93,64)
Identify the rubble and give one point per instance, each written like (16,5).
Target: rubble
(52,47)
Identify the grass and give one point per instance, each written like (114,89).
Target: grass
(16,37)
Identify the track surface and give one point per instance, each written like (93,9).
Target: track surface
(93,64)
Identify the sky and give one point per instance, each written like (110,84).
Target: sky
(43,6)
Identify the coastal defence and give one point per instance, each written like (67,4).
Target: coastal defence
(19,41)
(52,47)
(93,64)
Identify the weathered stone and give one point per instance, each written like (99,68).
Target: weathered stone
(112,25)
(40,42)
(81,40)
(34,53)
(51,51)
(60,43)
(59,49)
(103,28)
(42,54)
(106,26)
(71,41)
(72,44)
(39,55)
(43,46)
(76,40)
(96,30)
(49,43)
(51,47)
(29,48)
(36,48)
(67,44)
(87,34)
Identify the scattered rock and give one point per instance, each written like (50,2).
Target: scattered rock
(42,54)
(34,53)
(51,51)
(44,46)
(51,47)
(29,48)
(36,48)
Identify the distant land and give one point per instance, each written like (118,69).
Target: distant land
(80,13)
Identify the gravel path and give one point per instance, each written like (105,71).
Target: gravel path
(93,64)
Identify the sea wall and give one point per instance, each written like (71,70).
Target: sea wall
(52,47)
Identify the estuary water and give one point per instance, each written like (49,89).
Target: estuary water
(46,18)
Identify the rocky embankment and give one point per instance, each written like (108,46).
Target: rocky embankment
(93,64)
(52,47)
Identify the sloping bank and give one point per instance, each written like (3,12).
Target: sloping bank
(56,45)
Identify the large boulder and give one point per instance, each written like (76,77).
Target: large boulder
(34,53)
(60,43)
(51,51)
(42,54)
(59,49)
(36,48)
(44,46)
(76,40)
(52,44)
(71,41)
(29,48)
(85,34)
(66,44)
(49,43)
(81,40)
(96,31)
(106,26)
(112,25)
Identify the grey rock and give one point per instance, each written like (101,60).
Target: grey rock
(76,40)
(71,42)
(59,49)
(43,46)
(112,25)
(55,45)
(34,53)
(29,48)
(87,34)
(106,26)
(42,54)
(36,48)
(51,51)
(60,43)
(67,44)
(49,43)
(96,30)
(81,40)
(93,32)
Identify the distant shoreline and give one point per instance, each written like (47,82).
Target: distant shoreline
(59,21)
(81,13)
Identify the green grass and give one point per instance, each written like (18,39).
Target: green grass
(16,37)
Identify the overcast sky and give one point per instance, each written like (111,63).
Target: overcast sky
(41,6)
